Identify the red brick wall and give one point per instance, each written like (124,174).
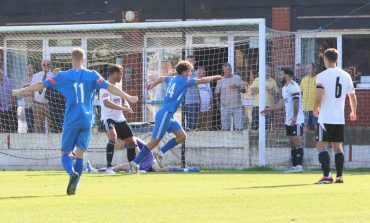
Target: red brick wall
(281,18)
(363,109)
(282,44)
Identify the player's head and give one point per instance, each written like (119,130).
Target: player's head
(286,75)
(227,70)
(45,64)
(330,57)
(311,69)
(201,72)
(115,73)
(184,68)
(191,59)
(77,56)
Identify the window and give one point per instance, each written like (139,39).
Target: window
(356,54)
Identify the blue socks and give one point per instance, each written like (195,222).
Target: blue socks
(67,163)
(169,145)
(79,166)
(143,153)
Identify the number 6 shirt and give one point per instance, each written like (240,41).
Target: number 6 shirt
(336,84)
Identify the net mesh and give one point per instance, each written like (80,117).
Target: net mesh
(220,118)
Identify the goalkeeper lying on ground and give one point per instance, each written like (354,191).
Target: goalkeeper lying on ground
(148,164)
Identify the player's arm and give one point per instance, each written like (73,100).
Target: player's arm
(32,88)
(107,103)
(277,106)
(353,103)
(318,100)
(118,92)
(295,108)
(159,80)
(205,80)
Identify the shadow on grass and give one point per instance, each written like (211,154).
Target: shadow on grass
(270,186)
(30,196)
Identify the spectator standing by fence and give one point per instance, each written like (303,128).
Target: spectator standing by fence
(40,108)
(8,107)
(230,88)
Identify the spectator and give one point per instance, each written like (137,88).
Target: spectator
(230,89)
(308,87)
(28,100)
(205,91)
(40,112)
(56,102)
(8,108)
(192,101)
(298,73)
(248,96)
(271,90)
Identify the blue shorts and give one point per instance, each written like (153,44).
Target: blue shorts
(165,122)
(309,118)
(75,137)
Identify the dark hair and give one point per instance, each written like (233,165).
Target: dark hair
(183,66)
(313,65)
(115,68)
(190,57)
(331,55)
(226,65)
(287,71)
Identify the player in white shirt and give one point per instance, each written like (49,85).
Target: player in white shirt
(113,120)
(294,117)
(333,85)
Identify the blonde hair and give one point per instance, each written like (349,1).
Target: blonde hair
(78,54)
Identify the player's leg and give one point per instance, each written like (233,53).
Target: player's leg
(297,143)
(69,138)
(82,144)
(324,157)
(157,168)
(162,121)
(339,160)
(337,139)
(293,151)
(125,133)
(112,137)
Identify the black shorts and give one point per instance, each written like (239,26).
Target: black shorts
(330,133)
(123,130)
(295,130)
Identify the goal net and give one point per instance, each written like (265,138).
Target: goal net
(222,119)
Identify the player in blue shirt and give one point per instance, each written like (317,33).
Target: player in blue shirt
(164,119)
(78,85)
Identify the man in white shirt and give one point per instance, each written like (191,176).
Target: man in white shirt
(113,119)
(294,117)
(40,110)
(333,85)
(206,97)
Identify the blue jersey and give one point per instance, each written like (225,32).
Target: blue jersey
(176,90)
(78,87)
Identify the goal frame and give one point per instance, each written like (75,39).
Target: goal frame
(260,22)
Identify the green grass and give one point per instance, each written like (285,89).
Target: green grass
(224,196)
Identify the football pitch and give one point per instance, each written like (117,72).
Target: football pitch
(209,196)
